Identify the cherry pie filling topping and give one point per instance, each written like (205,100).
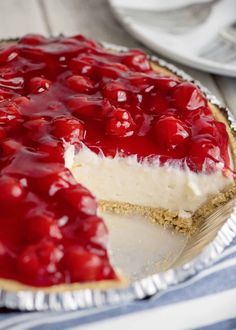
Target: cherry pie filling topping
(60,91)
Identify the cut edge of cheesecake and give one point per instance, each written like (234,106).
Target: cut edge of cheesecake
(187,220)
(169,218)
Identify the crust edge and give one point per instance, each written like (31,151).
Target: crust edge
(15,286)
(170,218)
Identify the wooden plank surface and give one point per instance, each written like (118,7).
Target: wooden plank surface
(18,17)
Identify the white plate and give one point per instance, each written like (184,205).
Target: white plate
(189,35)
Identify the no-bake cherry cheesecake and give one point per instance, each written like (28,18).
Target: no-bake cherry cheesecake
(81,124)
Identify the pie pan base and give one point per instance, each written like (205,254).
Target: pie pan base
(177,257)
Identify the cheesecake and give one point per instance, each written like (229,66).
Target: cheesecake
(86,129)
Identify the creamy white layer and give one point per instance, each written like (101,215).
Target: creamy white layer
(127,180)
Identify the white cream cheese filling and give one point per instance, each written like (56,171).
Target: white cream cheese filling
(148,184)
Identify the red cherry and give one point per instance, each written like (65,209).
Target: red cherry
(11,79)
(90,43)
(3,133)
(36,124)
(187,96)
(203,154)
(41,226)
(82,66)
(33,39)
(69,129)
(81,199)
(165,83)
(140,82)
(28,263)
(86,107)
(82,265)
(7,257)
(6,94)
(80,84)
(12,191)
(21,101)
(221,134)
(170,132)
(155,103)
(36,128)
(121,124)
(40,62)
(136,60)
(39,85)
(114,91)
(211,129)
(203,126)
(9,114)
(143,122)
(113,70)
(39,260)
(93,230)
(53,151)
(50,184)
(49,253)
(8,54)
(10,147)
(7,73)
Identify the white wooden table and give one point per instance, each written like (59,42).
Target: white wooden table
(94,19)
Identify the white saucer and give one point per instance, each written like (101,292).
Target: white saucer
(195,36)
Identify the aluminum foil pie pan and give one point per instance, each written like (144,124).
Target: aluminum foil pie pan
(152,257)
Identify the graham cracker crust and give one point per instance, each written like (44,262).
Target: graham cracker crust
(169,218)
(15,286)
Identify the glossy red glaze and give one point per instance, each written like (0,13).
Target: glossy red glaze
(71,90)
